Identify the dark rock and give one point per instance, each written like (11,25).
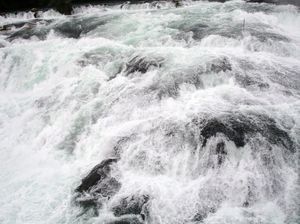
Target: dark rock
(120,144)
(201,215)
(142,64)
(35,12)
(87,202)
(76,27)
(26,30)
(239,128)
(248,81)
(265,36)
(133,205)
(107,188)
(235,132)
(169,84)
(199,30)
(219,65)
(28,22)
(70,28)
(177,3)
(98,173)
(96,186)
(125,4)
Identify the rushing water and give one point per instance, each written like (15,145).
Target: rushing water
(200,106)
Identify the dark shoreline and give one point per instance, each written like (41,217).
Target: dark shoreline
(65,6)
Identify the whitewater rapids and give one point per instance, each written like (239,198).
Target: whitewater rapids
(199,104)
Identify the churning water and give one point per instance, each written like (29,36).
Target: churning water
(197,108)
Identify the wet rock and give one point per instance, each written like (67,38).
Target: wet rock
(142,64)
(169,84)
(239,128)
(198,30)
(177,3)
(87,202)
(120,144)
(108,187)
(70,28)
(219,65)
(75,27)
(35,12)
(133,205)
(265,36)
(91,59)
(235,132)
(97,185)
(202,215)
(98,173)
(125,5)
(158,4)
(247,81)
(26,30)
(9,26)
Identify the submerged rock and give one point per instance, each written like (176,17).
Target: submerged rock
(240,128)
(250,81)
(168,84)
(98,184)
(99,172)
(135,205)
(75,27)
(142,64)
(202,215)
(26,30)
(70,28)
(219,65)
